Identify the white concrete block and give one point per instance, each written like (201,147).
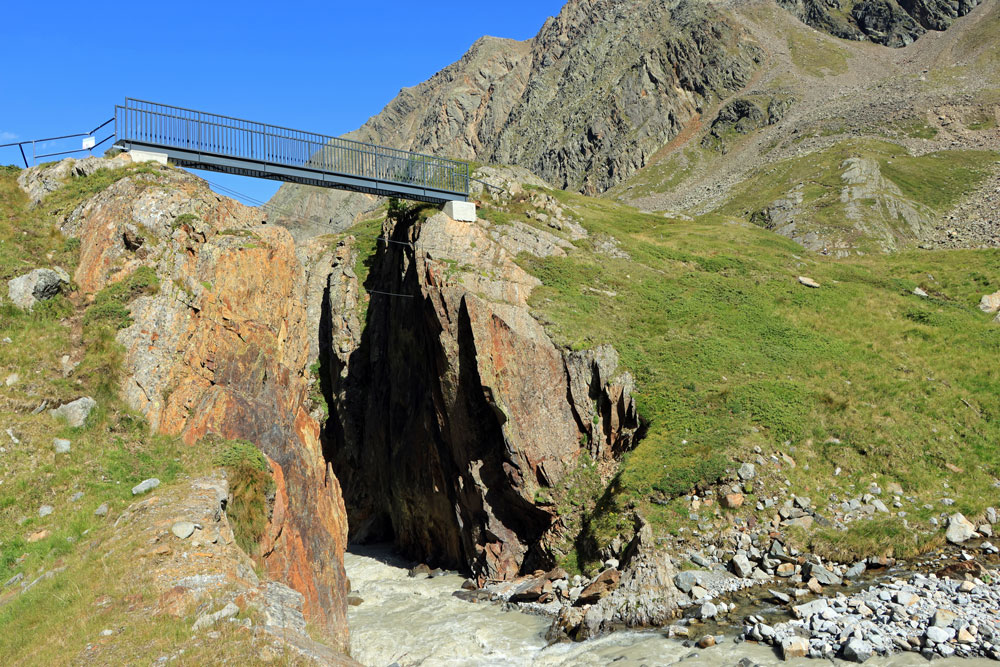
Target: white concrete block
(463,211)
(147,156)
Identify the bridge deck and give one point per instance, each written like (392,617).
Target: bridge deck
(219,143)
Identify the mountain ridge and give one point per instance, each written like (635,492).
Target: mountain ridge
(553,105)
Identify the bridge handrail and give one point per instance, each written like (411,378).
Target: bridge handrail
(167,125)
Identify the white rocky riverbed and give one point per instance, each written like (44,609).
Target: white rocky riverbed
(417,621)
(925,614)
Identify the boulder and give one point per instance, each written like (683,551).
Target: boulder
(794,647)
(706,611)
(38,285)
(856,650)
(747,471)
(183,529)
(422,570)
(779,596)
(206,620)
(990,303)
(531,589)
(808,282)
(566,624)
(75,413)
(61,446)
(145,485)
(810,609)
(687,580)
(741,566)
(938,635)
(804,522)
(732,500)
(960,529)
(605,582)
(856,570)
(943,618)
(822,575)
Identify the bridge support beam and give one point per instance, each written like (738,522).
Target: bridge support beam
(463,211)
(147,156)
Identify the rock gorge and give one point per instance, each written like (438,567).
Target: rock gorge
(452,406)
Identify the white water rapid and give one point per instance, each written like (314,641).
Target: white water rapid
(416,621)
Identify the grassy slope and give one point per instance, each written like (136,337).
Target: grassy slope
(730,352)
(54,621)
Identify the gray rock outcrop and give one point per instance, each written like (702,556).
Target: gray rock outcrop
(894,23)
(38,285)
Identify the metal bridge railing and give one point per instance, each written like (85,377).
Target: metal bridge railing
(175,127)
(46,141)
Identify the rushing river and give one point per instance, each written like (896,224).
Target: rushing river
(417,622)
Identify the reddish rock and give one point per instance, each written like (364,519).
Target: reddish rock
(38,536)
(732,500)
(531,590)
(221,349)
(605,582)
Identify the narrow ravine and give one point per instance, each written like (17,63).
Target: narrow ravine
(417,621)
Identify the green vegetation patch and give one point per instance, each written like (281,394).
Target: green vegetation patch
(110,305)
(730,352)
(817,55)
(251,490)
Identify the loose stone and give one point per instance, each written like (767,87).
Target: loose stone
(183,529)
(145,486)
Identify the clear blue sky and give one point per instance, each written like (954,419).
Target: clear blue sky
(320,66)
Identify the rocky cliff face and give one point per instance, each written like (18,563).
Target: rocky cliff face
(886,22)
(454,408)
(584,104)
(221,348)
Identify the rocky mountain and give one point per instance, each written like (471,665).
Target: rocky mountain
(583,105)
(608,90)
(886,22)
(577,400)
